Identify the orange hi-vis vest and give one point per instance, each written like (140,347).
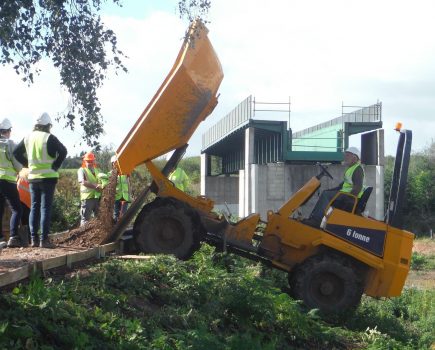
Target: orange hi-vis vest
(24,191)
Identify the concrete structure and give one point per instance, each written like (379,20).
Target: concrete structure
(258,171)
(267,187)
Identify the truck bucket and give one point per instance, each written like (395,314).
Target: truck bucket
(186,97)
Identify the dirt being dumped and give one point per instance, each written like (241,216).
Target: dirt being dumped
(97,230)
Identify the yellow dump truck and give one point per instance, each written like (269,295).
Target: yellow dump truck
(329,267)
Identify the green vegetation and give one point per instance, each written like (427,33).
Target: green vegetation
(422,262)
(419,206)
(212,301)
(66,206)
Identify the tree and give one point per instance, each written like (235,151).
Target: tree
(71,34)
(419,206)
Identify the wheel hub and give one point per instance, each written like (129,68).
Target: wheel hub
(170,233)
(326,288)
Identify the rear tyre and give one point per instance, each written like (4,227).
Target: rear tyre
(327,282)
(165,230)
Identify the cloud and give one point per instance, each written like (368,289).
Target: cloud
(320,53)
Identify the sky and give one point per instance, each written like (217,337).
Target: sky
(321,54)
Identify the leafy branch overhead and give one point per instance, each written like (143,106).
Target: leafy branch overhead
(71,34)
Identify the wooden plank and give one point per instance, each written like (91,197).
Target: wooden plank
(109,247)
(134,257)
(14,275)
(52,263)
(80,256)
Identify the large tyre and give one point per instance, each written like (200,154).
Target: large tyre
(165,230)
(328,282)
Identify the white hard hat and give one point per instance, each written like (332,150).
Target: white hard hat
(43,119)
(354,150)
(113,159)
(5,124)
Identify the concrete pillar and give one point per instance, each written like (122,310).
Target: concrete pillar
(242,193)
(205,171)
(381,147)
(249,159)
(254,190)
(380,210)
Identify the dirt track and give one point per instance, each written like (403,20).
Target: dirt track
(424,246)
(17,257)
(422,279)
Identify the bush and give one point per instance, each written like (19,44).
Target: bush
(422,262)
(66,204)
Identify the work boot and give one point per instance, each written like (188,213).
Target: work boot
(34,242)
(14,242)
(46,243)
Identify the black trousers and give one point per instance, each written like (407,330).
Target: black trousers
(9,194)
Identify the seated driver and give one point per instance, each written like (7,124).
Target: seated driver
(352,183)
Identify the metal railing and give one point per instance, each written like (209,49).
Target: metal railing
(237,117)
(368,114)
(244,111)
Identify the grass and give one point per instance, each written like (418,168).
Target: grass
(212,301)
(422,261)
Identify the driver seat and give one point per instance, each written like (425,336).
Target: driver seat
(346,201)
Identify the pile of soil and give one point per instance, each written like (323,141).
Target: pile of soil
(97,230)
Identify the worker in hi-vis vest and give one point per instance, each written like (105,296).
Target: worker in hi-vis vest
(9,168)
(43,154)
(180,179)
(123,194)
(90,188)
(353,183)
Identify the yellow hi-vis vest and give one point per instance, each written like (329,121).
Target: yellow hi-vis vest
(86,192)
(179,178)
(122,191)
(40,161)
(348,184)
(7,170)
(103,179)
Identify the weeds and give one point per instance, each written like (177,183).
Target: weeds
(422,261)
(213,301)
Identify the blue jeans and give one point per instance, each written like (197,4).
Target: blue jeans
(9,192)
(41,195)
(342,202)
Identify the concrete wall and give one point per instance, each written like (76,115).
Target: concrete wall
(272,185)
(223,189)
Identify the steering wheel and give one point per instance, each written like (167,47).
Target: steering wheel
(325,171)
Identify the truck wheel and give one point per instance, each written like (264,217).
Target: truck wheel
(166,230)
(327,282)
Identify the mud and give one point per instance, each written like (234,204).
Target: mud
(96,231)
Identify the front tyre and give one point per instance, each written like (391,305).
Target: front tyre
(328,282)
(166,230)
